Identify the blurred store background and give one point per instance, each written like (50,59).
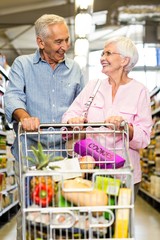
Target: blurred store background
(139,20)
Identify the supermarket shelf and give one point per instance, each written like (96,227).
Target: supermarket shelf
(2,170)
(10,173)
(11,159)
(3,133)
(147,193)
(3,151)
(157,132)
(147,161)
(144,159)
(9,189)
(155,91)
(157,173)
(8,207)
(152,200)
(151,162)
(156,111)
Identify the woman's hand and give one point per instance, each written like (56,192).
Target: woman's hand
(77,120)
(118,122)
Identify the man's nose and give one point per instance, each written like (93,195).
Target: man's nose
(65,45)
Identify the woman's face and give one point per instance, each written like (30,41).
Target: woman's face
(111,60)
(56,44)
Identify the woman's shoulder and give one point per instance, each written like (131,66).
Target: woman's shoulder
(89,87)
(138,88)
(138,84)
(91,83)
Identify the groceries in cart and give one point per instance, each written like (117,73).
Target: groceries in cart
(74,207)
(104,157)
(42,190)
(86,195)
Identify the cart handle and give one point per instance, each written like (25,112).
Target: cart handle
(123,124)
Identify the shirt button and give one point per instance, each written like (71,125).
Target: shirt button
(52,90)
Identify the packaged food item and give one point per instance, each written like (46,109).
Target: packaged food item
(123,214)
(104,158)
(109,185)
(2,181)
(80,192)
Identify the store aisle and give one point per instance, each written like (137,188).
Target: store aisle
(147,222)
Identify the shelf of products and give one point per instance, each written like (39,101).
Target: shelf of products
(150,157)
(8,186)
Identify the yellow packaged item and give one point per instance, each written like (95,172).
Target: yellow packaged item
(122,215)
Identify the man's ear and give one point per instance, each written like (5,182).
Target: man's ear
(40,43)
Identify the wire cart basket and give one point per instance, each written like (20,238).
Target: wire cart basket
(76,182)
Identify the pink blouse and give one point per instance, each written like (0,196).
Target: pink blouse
(132,102)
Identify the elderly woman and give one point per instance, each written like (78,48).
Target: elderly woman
(119,98)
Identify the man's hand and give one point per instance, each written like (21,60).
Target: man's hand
(30,123)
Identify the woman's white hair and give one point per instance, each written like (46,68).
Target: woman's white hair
(42,23)
(126,48)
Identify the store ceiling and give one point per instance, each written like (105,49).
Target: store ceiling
(122,17)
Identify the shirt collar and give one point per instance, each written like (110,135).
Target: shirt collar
(37,58)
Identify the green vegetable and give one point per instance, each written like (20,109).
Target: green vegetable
(40,159)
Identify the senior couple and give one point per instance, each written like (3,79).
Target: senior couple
(49,87)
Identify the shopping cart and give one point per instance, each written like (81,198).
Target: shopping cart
(83,189)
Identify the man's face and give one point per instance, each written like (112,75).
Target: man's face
(55,45)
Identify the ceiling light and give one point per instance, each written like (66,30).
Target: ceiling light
(81,60)
(83,4)
(83,23)
(81,47)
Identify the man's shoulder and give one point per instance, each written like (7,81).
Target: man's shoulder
(27,57)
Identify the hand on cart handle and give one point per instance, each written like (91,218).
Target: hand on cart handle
(30,123)
(118,122)
(78,120)
(26,122)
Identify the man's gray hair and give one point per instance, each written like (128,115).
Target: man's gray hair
(42,23)
(126,48)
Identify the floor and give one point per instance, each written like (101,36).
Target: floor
(147,223)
